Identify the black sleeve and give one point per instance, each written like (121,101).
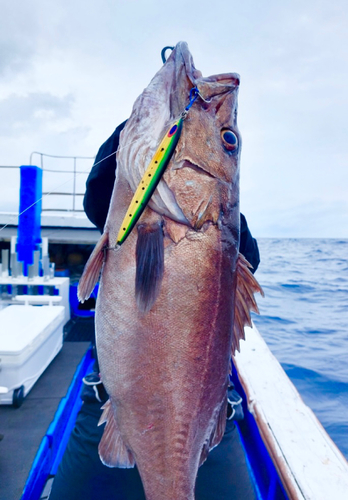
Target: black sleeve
(248,245)
(101,179)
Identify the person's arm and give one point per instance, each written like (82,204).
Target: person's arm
(101,179)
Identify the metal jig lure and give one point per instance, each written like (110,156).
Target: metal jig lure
(153,173)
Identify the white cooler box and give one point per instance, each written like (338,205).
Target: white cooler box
(30,337)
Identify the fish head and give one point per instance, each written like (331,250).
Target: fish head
(204,172)
(202,178)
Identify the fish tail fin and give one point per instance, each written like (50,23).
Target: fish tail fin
(92,269)
(245,302)
(112,450)
(149,264)
(217,433)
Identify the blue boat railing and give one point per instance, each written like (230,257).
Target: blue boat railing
(74,172)
(68,179)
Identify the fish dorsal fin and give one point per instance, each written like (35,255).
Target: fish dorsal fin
(245,301)
(150,264)
(92,269)
(112,450)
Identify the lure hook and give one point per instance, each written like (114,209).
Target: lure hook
(163,52)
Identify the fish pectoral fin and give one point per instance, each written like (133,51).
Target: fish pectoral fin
(112,450)
(149,264)
(245,301)
(92,269)
(217,433)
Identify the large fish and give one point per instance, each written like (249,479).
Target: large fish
(173,299)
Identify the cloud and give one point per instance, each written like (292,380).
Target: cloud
(70,72)
(34,110)
(13,57)
(18,36)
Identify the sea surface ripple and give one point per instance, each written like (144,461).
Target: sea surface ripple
(304,320)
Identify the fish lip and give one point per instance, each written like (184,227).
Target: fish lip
(217,85)
(224,77)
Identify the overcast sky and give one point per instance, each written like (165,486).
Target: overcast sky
(71,70)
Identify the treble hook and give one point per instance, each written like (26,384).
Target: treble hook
(163,53)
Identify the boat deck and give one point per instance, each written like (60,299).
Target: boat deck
(23,428)
(35,435)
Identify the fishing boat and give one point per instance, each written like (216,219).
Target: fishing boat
(288,452)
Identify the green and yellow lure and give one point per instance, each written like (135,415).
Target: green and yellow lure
(153,174)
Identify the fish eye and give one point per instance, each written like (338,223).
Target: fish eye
(229,139)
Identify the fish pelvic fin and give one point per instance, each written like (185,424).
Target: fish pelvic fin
(149,264)
(217,433)
(112,449)
(92,269)
(245,301)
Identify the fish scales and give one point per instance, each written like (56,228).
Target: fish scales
(165,364)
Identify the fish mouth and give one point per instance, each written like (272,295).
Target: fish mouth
(225,82)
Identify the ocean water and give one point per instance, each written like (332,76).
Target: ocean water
(304,320)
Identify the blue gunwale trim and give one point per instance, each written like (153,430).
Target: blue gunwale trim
(266,479)
(55,440)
